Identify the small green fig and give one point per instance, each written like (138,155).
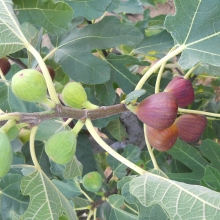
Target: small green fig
(50,69)
(5,65)
(61,147)
(92,181)
(158,111)
(182,89)
(29,85)
(191,127)
(162,140)
(6,154)
(24,135)
(74,95)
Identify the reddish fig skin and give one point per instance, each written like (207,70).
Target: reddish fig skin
(5,65)
(162,140)
(50,69)
(191,127)
(158,111)
(183,91)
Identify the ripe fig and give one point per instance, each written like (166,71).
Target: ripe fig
(191,127)
(50,69)
(6,154)
(61,147)
(183,91)
(5,65)
(158,110)
(162,140)
(29,85)
(92,181)
(74,95)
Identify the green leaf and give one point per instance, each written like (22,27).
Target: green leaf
(134,95)
(191,157)
(89,9)
(73,168)
(80,202)
(117,130)
(46,199)
(131,152)
(130,6)
(176,198)
(54,17)
(160,43)
(199,33)
(69,189)
(117,213)
(79,63)
(11,198)
(212,178)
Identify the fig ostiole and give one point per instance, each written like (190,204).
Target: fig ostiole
(50,70)
(162,140)
(191,127)
(61,147)
(29,85)
(74,95)
(5,65)
(6,154)
(92,181)
(158,111)
(183,91)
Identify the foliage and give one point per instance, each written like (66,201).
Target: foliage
(117,61)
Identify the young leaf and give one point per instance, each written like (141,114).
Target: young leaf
(46,199)
(54,17)
(134,95)
(196,26)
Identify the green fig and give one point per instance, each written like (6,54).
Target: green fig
(92,181)
(74,95)
(24,135)
(6,154)
(61,147)
(29,85)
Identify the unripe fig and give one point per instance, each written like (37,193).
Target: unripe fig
(24,135)
(158,110)
(183,91)
(74,95)
(92,181)
(61,147)
(50,69)
(162,140)
(191,127)
(29,85)
(5,65)
(6,154)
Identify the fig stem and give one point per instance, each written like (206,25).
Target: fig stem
(112,152)
(49,82)
(153,159)
(85,194)
(88,105)
(190,71)
(4,117)
(181,110)
(157,65)
(8,125)
(77,128)
(82,208)
(32,150)
(159,76)
(94,213)
(48,103)
(89,215)
(3,77)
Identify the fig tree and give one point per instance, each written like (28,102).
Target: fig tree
(74,95)
(92,181)
(183,91)
(61,147)
(6,154)
(158,111)
(29,85)
(5,65)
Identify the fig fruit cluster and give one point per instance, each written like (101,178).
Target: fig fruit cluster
(159,112)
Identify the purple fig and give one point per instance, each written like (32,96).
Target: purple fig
(5,66)
(190,127)
(158,110)
(162,140)
(182,89)
(50,69)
